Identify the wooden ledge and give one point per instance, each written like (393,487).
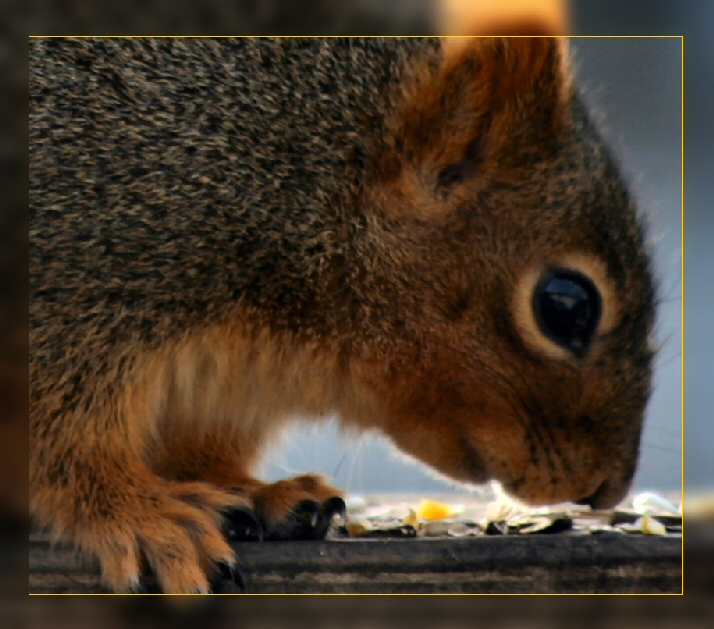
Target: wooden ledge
(545,564)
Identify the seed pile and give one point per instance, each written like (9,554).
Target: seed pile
(643,514)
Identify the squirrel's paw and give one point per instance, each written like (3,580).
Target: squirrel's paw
(298,508)
(169,539)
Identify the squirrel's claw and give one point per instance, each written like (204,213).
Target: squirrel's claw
(335,506)
(309,520)
(228,580)
(232,580)
(140,587)
(242,524)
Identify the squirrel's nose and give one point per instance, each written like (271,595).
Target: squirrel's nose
(588,502)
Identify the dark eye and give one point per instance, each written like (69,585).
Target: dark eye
(567,308)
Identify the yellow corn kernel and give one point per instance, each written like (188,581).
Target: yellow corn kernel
(432,510)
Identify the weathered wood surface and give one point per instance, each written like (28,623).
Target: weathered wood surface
(605,563)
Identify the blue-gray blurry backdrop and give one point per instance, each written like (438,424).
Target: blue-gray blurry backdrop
(634,88)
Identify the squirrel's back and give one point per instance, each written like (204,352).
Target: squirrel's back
(171,178)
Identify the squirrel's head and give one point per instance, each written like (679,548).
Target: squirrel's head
(520,294)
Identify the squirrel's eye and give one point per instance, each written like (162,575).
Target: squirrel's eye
(567,308)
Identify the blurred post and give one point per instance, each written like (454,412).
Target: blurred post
(462,18)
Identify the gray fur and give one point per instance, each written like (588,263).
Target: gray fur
(171,178)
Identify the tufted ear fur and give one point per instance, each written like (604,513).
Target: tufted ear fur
(514,80)
(493,103)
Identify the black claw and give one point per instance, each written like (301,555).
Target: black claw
(334,506)
(308,506)
(330,508)
(139,587)
(309,520)
(146,587)
(241,524)
(230,581)
(300,523)
(308,512)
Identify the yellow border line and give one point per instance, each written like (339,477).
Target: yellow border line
(345,36)
(682,312)
(680,37)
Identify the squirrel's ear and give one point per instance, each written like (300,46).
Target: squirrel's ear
(521,67)
(503,71)
(493,102)
(497,97)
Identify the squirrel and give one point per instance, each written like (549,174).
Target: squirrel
(431,241)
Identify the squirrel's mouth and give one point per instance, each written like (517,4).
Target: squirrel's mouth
(608,494)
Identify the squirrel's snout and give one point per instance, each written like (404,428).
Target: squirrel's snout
(608,494)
